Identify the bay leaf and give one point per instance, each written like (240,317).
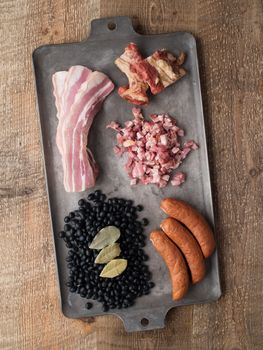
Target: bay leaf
(114,268)
(108,253)
(106,236)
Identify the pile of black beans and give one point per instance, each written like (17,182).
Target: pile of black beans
(80,228)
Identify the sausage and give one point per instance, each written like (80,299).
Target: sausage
(188,246)
(174,261)
(194,221)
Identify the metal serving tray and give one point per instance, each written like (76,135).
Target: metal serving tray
(181,100)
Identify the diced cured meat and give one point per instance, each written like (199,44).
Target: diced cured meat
(136,113)
(153,149)
(191,144)
(79,94)
(156,72)
(114,125)
(178,179)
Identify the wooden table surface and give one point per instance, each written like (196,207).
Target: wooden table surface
(230,47)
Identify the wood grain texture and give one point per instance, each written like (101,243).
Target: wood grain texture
(230,37)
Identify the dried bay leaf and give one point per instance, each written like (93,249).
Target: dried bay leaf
(114,268)
(108,253)
(106,236)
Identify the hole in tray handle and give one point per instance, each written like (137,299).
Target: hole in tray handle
(112,26)
(144,322)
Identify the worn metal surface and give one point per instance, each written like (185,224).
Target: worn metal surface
(182,101)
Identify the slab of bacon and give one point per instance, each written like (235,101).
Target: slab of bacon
(156,72)
(153,148)
(79,94)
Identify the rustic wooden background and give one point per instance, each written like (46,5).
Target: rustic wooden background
(230,45)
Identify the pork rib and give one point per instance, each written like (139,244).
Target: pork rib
(156,72)
(135,92)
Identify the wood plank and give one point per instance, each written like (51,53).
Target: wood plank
(30,311)
(230,36)
(232,109)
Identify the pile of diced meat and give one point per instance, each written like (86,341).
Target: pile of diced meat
(153,149)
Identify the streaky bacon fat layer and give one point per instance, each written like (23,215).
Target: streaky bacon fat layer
(79,94)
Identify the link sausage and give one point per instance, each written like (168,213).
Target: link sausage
(194,221)
(188,246)
(174,261)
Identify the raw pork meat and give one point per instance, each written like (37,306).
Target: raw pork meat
(153,148)
(79,94)
(156,72)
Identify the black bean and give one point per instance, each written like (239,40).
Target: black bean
(81,202)
(102,197)
(144,267)
(77,226)
(71,215)
(97,193)
(78,233)
(89,305)
(139,231)
(105,308)
(145,221)
(70,265)
(67,227)
(89,294)
(82,225)
(82,290)
(81,211)
(151,284)
(134,216)
(141,245)
(66,219)
(62,234)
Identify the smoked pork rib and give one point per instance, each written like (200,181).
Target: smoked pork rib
(135,92)
(156,72)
